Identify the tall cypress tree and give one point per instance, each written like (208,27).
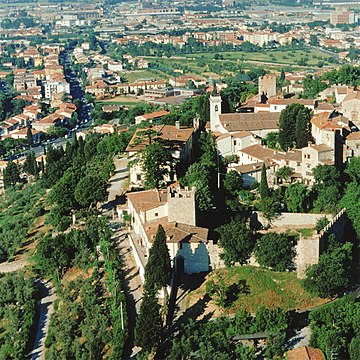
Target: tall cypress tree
(158,267)
(302,128)
(148,328)
(29,136)
(264,187)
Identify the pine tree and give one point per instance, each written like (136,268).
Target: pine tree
(158,267)
(264,187)
(11,174)
(148,328)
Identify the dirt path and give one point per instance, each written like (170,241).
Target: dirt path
(7,267)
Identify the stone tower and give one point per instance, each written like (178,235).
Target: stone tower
(181,205)
(215,112)
(267,85)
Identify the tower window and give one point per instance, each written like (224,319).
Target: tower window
(216,107)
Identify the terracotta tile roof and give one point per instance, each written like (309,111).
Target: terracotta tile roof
(292,101)
(324,121)
(260,152)
(249,168)
(241,134)
(146,200)
(250,121)
(154,115)
(305,353)
(177,138)
(353,136)
(321,148)
(176,232)
(352,96)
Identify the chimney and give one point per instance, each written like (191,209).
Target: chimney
(177,124)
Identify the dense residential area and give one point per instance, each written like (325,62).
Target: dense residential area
(179,180)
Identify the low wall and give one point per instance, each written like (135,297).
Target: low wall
(137,256)
(287,219)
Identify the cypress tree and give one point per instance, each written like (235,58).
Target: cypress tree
(158,267)
(29,136)
(302,128)
(148,328)
(282,75)
(264,187)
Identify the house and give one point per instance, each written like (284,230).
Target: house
(175,209)
(22,134)
(353,143)
(251,173)
(314,155)
(351,107)
(153,117)
(179,142)
(231,144)
(324,126)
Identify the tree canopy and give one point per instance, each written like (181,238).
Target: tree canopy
(236,239)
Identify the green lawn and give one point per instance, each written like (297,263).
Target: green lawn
(265,288)
(286,57)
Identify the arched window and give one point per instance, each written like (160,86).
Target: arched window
(216,107)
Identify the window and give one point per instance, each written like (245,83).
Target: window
(216,107)
(275,107)
(156,214)
(138,177)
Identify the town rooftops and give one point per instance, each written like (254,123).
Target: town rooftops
(250,168)
(292,101)
(250,121)
(177,137)
(325,121)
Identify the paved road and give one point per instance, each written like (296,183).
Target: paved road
(133,288)
(46,310)
(119,181)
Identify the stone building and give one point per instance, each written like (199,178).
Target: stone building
(351,108)
(175,209)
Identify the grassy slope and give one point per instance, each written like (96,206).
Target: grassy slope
(267,288)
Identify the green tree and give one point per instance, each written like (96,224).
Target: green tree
(284,173)
(331,276)
(158,267)
(297,197)
(148,330)
(29,136)
(294,126)
(276,251)
(302,128)
(233,183)
(269,208)
(11,175)
(236,239)
(264,187)
(156,163)
(350,201)
(90,190)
